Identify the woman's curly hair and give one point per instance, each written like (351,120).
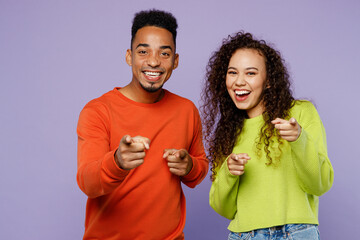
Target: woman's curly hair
(222,120)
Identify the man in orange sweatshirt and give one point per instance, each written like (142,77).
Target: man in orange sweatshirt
(136,144)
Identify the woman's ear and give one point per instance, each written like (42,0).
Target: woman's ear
(267,84)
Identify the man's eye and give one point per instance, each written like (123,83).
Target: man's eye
(142,52)
(165,54)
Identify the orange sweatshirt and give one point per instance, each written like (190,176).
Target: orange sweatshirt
(146,202)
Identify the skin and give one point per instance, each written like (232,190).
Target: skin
(152,58)
(179,161)
(236,163)
(247,73)
(131,151)
(288,130)
(153,51)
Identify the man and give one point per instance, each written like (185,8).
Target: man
(136,144)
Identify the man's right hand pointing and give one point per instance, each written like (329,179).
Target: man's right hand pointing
(131,151)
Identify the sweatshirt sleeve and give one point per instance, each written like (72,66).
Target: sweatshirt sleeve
(309,153)
(224,191)
(197,153)
(97,174)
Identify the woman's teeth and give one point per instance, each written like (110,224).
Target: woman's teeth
(242,92)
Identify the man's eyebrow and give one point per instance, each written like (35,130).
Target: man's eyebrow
(147,45)
(142,45)
(166,47)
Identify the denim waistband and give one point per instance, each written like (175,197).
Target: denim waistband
(285,229)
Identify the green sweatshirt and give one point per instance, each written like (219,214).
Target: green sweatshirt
(278,194)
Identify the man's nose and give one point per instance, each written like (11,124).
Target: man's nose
(153,60)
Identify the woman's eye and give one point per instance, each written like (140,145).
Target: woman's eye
(231,72)
(250,73)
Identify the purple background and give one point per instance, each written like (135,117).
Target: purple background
(55,56)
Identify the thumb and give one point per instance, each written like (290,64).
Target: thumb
(293,121)
(126,139)
(181,153)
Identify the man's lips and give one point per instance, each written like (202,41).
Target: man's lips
(152,75)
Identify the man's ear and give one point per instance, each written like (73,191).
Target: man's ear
(128,57)
(176,61)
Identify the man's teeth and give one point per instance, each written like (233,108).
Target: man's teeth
(152,74)
(242,92)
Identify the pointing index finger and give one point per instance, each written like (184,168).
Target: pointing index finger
(168,152)
(276,121)
(146,144)
(279,121)
(145,141)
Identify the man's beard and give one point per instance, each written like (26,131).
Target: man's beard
(151,88)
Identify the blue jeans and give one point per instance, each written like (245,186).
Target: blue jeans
(288,231)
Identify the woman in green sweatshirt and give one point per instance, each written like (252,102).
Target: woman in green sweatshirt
(268,151)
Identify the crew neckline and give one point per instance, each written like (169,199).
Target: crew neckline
(122,96)
(254,119)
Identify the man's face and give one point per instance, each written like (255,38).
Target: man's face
(152,57)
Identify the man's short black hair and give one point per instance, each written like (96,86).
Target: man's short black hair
(155,18)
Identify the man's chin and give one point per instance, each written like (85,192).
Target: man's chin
(151,88)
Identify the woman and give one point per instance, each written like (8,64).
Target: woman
(268,151)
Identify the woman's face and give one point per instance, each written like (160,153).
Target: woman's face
(245,80)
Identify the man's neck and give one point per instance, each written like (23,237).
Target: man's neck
(138,94)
